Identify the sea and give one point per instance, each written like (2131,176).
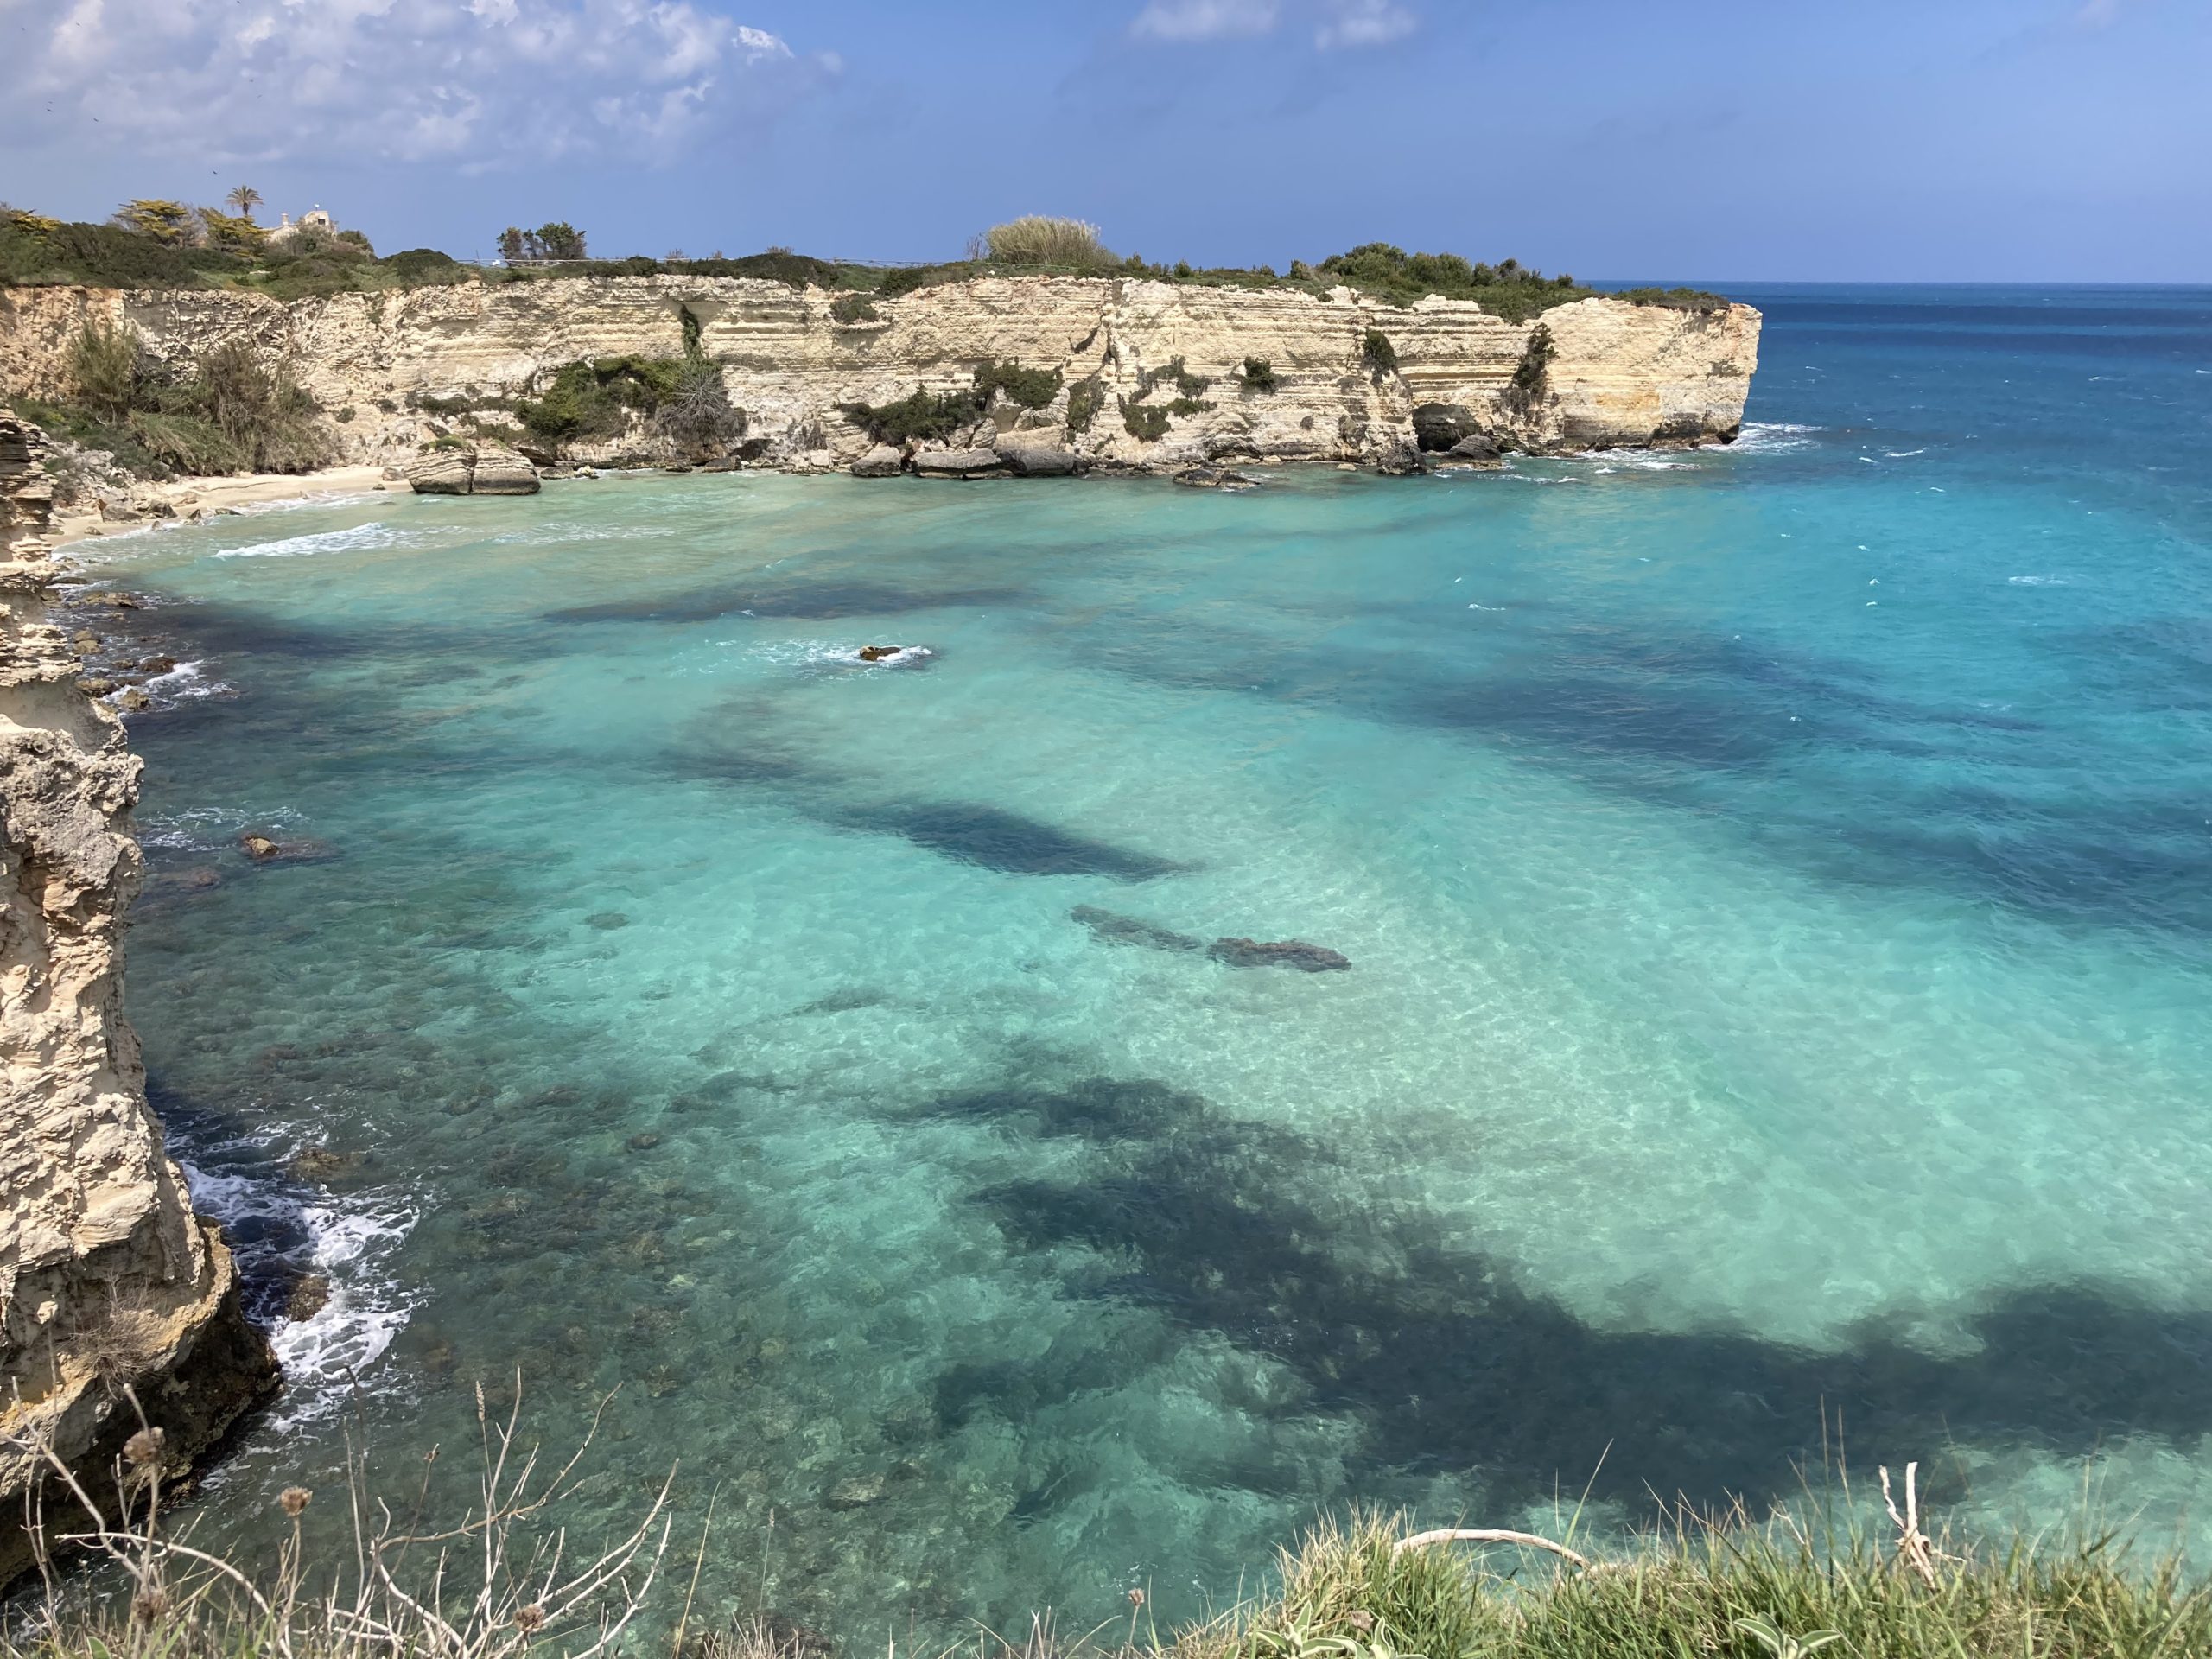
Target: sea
(1756,1024)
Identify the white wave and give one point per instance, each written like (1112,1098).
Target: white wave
(184,682)
(1772,437)
(2041,582)
(1905,454)
(351,1240)
(204,828)
(1642,461)
(1869,461)
(1485,607)
(375,533)
(555,535)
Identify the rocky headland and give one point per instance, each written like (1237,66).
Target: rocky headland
(1027,376)
(112,1289)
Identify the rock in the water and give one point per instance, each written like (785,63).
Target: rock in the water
(94,686)
(1041,461)
(643,1141)
(134,699)
(882,462)
(323,1165)
(1278,953)
(877,653)
(893,655)
(1480,447)
(259,847)
(1113,929)
(501,470)
(958,463)
(310,1295)
(607,920)
(482,469)
(855,1493)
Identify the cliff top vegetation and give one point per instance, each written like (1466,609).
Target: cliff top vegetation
(161,244)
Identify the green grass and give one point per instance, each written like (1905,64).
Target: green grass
(1352,1590)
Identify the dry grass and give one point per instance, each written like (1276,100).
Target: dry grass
(501,1579)
(1036,239)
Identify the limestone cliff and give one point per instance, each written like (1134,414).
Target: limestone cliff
(107,1280)
(402,368)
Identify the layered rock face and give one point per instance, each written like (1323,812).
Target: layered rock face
(1619,374)
(108,1282)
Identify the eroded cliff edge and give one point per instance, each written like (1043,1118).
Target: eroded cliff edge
(107,1279)
(401,369)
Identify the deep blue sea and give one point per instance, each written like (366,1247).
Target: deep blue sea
(1777,883)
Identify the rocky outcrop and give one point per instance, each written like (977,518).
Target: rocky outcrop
(424,363)
(108,1282)
(26,490)
(472,469)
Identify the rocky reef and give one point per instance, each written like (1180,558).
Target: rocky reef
(1113,374)
(109,1286)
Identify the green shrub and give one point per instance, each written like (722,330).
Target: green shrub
(921,418)
(1190,386)
(1031,388)
(1508,289)
(1675,299)
(1145,420)
(345,416)
(44,252)
(1084,401)
(1378,353)
(1536,361)
(1260,375)
(850,309)
(596,399)
(273,424)
(105,369)
(417,267)
(1035,240)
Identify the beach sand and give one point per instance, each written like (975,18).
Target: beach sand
(186,496)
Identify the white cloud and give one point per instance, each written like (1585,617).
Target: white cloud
(1186,21)
(1363,22)
(478,82)
(1339,22)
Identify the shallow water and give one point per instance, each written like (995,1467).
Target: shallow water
(1778,884)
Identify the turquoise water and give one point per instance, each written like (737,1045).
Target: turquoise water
(1776,885)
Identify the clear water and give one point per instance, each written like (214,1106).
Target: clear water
(1778,886)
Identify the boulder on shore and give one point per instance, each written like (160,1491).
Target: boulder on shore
(958,463)
(1279,953)
(1041,461)
(482,469)
(882,462)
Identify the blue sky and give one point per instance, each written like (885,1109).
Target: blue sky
(2038,140)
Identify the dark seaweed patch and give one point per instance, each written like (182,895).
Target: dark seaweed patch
(1000,840)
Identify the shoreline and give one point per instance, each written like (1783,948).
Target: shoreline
(187,500)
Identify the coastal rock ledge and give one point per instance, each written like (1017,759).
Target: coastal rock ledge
(108,1282)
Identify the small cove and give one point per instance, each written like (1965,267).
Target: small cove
(1774,882)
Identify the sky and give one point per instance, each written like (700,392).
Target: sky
(1753,140)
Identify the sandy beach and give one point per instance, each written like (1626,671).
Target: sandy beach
(187,498)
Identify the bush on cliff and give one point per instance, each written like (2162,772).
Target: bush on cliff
(1039,240)
(922,417)
(231,413)
(1535,363)
(594,398)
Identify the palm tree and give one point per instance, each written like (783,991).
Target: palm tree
(245,199)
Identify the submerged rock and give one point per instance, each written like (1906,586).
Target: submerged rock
(310,1295)
(1113,929)
(1278,953)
